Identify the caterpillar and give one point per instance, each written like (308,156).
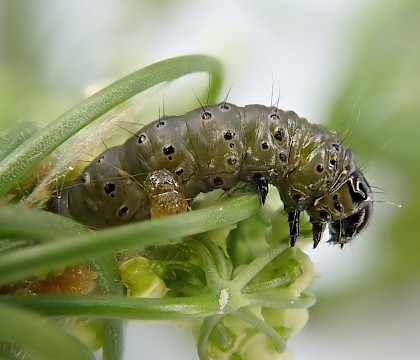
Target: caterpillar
(216,146)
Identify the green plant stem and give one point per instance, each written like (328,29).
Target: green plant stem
(273,283)
(29,154)
(22,327)
(114,338)
(108,276)
(208,263)
(84,247)
(205,331)
(15,136)
(305,300)
(117,307)
(261,326)
(113,329)
(42,226)
(223,265)
(194,270)
(256,265)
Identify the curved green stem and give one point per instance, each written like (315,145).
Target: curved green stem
(273,283)
(22,327)
(209,266)
(194,270)
(304,301)
(29,154)
(69,250)
(205,331)
(223,265)
(256,265)
(117,307)
(12,138)
(261,326)
(42,226)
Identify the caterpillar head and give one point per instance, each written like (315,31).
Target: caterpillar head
(348,210)
(327,185)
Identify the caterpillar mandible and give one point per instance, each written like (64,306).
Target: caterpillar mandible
(216,146)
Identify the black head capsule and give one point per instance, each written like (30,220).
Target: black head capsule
(344,230)
(347,210)
(359,195)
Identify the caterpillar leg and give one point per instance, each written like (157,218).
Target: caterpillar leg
(293,221)
(165,194)
(262,186)
(317,230)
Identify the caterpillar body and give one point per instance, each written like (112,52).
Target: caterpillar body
(216,146)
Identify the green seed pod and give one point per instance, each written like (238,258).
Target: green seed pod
(217,146)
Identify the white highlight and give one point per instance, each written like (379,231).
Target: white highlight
(223,299)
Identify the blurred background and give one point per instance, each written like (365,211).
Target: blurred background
(353,65)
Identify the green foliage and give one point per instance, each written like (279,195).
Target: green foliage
(23,331)
(237,294)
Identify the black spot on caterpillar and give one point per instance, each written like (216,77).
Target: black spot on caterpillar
(216,146)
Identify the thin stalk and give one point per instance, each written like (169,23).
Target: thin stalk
(304,301)
(29,154)
(256,265)
(117,307)
(22,327)
(262,327)
(12,138)
(114,338)
(37,225)
(205,331)
(188,267)
(113,329)
(22,263)
(209,266)
(224,268)
(273,283)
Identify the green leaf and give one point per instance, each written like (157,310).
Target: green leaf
(27,156)
(11,138)
(75,249)
(22,327)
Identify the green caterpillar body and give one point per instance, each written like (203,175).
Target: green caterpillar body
(217,146)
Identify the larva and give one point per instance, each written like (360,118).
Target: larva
(216,146)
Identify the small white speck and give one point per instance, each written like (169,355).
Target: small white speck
(223,299)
